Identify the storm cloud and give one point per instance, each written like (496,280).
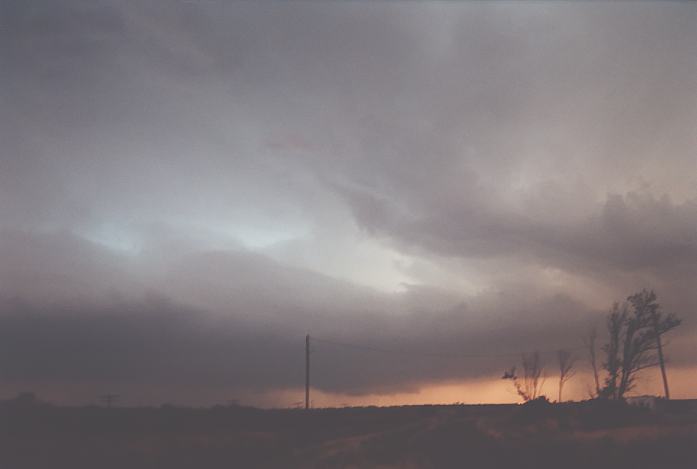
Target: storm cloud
(188,188)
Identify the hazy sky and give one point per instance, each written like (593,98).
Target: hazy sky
(187,188)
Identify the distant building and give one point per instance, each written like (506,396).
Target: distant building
(649,402)
(24,400)
(659,404)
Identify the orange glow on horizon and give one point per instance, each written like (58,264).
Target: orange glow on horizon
(493,390)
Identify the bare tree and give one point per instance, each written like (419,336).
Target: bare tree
(645,301)
(590,342)
(616,320)
(531,384)
(566,371)
(635,328)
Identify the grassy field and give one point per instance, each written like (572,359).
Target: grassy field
(574,435)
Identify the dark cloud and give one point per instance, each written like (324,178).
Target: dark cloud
(627,232)
(239,319)
(236,320)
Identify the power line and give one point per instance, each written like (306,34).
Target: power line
(402,352)
(434,354)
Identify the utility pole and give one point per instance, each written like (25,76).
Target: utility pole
(661,361)
(307,371)
(109,399)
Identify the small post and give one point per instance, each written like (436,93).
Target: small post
(307,371)
(109,399)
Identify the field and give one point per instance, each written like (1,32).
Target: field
(541,435)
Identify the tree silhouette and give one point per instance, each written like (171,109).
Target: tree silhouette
(566,372)
(590,343)
(529,387)
(635,329)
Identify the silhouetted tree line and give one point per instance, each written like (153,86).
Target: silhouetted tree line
(635,330)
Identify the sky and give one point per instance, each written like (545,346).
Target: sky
(428,189)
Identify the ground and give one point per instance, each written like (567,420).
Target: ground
(541,435)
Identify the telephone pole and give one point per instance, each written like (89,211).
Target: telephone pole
(307,371)
(109,399)
(661,361)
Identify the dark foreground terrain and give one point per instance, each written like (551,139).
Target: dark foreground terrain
(541,435)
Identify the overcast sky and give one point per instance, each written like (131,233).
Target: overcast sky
(187,188)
